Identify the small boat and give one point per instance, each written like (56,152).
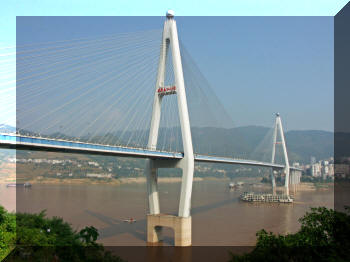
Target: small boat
(19,185)
(130,220)
(287,200)
(231,185)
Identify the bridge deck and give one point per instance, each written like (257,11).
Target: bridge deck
(47,144)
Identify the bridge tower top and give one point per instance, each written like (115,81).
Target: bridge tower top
(170,14)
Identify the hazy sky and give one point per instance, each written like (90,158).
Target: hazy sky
(255,65)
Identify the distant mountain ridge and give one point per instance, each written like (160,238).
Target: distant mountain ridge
(307,143)
(301,144)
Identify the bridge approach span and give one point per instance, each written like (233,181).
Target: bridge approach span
(15,141)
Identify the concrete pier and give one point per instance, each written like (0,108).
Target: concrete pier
(182,227)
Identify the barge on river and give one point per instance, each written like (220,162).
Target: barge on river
(263,197)
(19,185)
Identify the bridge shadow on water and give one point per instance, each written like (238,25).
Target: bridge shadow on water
(164,251)
(138,229)
(208,207)
(117,227)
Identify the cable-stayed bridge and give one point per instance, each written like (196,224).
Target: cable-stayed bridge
(121,96)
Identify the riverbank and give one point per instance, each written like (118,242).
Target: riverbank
(112,181)
(305,186)
(160,180)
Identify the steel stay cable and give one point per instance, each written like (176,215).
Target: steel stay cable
(52,70)
(115,77)
(96,119)
(95,52)
(78,73)
(142,72)
(136,102)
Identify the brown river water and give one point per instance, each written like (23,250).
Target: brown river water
(219,218)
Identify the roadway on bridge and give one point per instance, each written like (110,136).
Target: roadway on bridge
(54,145)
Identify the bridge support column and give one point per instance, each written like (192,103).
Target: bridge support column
(182,227)
(273,180)
(181,224)
(292,181)
(152,187)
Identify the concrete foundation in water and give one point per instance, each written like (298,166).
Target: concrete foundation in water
(182,227)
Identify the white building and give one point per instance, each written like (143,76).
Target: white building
(99,175)
(316,170)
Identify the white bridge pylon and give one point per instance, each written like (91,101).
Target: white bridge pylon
(169,43)
(182,223)
(278,128)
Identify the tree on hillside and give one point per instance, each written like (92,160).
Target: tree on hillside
(324,236)
(7,232)
(34,237)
